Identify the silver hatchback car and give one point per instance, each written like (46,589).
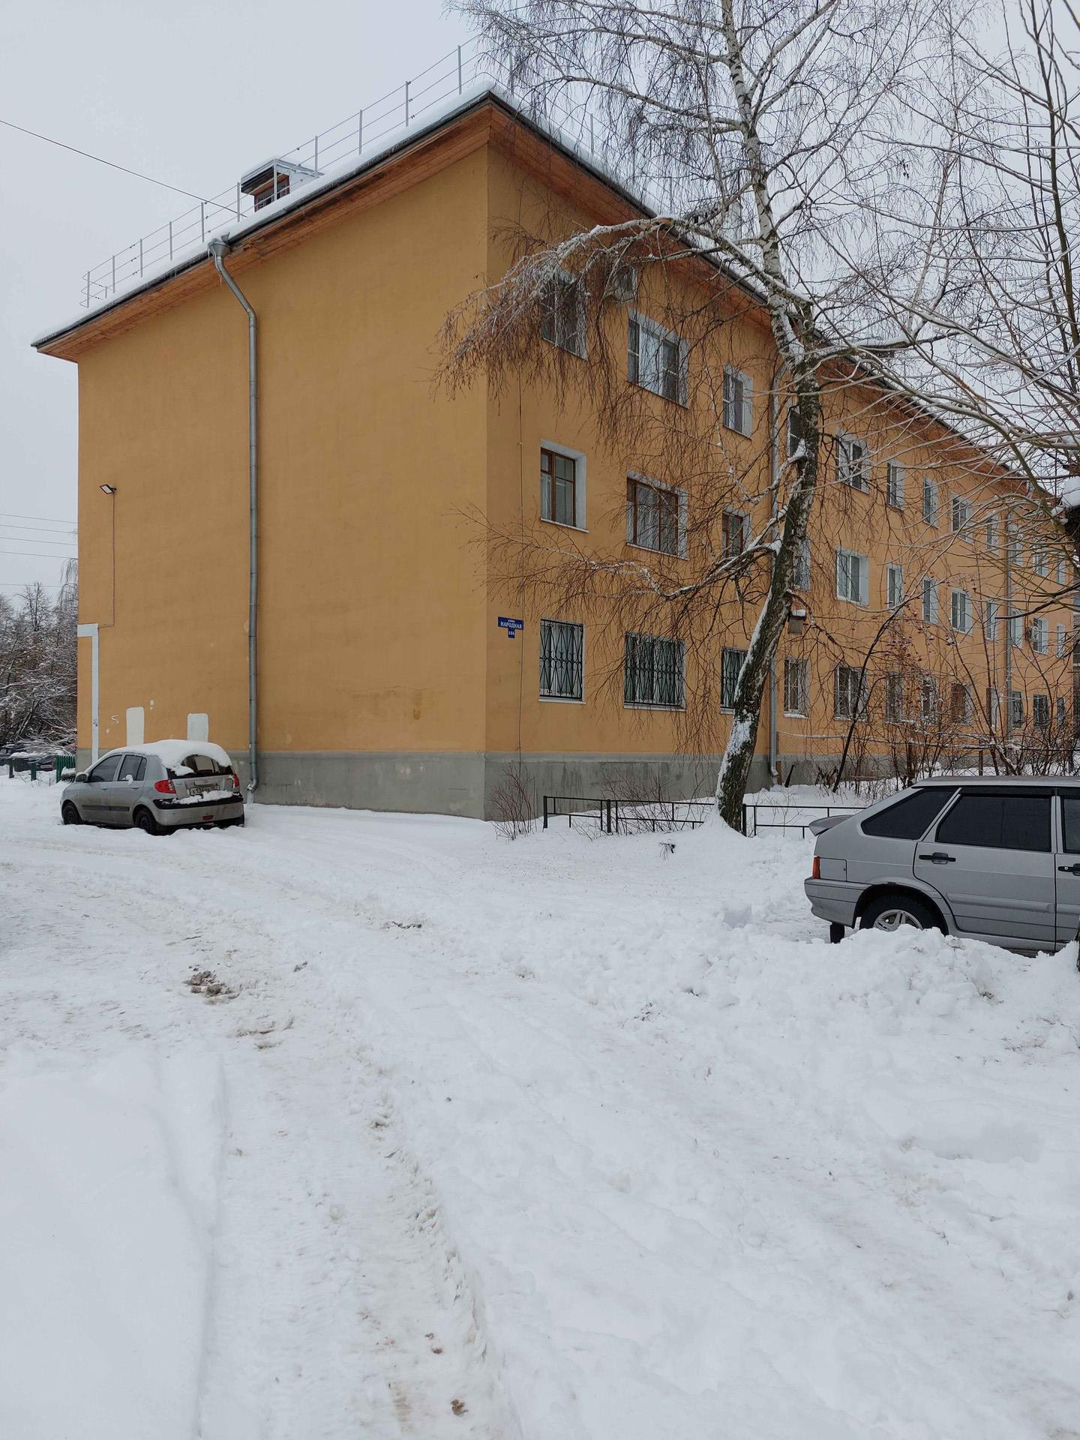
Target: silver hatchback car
(994,858)
(158,788)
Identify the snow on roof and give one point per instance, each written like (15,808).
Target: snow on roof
(173,753)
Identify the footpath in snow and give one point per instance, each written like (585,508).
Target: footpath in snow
(370,1125)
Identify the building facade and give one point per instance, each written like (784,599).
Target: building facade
(402,661)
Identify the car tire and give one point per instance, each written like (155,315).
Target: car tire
(143,820)
(898,909)
(229,824)
(69,813)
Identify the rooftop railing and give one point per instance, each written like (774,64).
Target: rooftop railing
(340,147)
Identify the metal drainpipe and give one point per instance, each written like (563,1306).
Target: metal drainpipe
(774,472)
(218,248)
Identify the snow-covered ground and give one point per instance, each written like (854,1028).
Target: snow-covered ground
(560,1139)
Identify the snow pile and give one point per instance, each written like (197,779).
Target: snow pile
(571,1137)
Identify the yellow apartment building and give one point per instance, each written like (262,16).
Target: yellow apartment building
(399,664)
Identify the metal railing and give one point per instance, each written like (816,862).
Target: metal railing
(626,817)
(336,149)
(751,824)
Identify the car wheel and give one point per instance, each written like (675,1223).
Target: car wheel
(897,911)
(69,813)
(143,820)
(229,824)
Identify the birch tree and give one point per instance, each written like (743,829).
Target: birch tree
(770,139)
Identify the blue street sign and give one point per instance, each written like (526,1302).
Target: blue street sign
(510,626)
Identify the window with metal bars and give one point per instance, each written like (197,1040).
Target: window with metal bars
(562,669)
(654,672)
(796,686)
(849,698)
(653,516)
(731,663)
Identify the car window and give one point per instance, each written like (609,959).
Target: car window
(910,817)
(1070,822)
(203,765)
(133,768)
(998,822)
(106,769)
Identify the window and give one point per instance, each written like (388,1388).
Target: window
(794,432)
(961,612)
(205,765)
(894,586)
(1015,626)
(928,700)
(656,359)
(563,321)
(895,706)
(894,484)
(959,703)
(731,663)
(852,577)
(560,487)
(997,822)
(991,532)
(961,517)
(849,702)
(852,462)
(133,768)
(910,817)
(796,687)
(993,707)
(1062,647)
(653,516)
(929,501)
(738,408)
(1061,709)
(562,670)
(1040,562)
(1070,820)
(1016,708)
(734,533)
(929,601)
(1040,711)
(801,571)
(106,769)
(991,611)
(1061,570)
(654,672)
(1040,635)
(1014,551)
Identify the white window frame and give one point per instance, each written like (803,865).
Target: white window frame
(797,665)
(1014,630)
(931,513)
(852,459)
(735,515)
(991,616)
(578,456)
(564,699)
(992,533)
(679,553)
(1061,570)
(928,690)
(843,564)
(802,571)
(894,484)
(896,714)
(1062,642)
(963,611)
(658,333)
(860,696)
(894,572)
(931,613)
(737,412)
(960,515)
(1039,634)
(1040,562)
(566,279)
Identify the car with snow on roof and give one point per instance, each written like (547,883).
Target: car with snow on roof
(159,788)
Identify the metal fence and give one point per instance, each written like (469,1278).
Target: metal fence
(626,817)
(752,823)
(364,132)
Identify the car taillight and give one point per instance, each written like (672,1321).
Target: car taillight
(235,781)
(164,787)
(815,873)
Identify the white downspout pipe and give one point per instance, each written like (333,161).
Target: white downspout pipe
(90,632)
(219,247)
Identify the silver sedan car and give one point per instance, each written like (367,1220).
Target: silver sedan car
(157,788)
(994,858)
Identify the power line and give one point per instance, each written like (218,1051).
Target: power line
(19,584)
(39,529)
(12,515)
(101,161)
(34,555)
(34,540)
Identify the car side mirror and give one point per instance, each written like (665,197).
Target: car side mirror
(81,776)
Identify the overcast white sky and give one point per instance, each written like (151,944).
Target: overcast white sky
(192,94)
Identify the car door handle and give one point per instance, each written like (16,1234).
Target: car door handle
(1070,869)
(940,858)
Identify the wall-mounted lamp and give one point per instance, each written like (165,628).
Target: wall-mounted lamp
(796,621)
(109,489)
